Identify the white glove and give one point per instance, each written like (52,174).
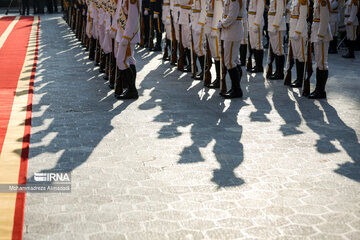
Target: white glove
(146,12)
(320,39)
(219,26)
(156,15)
(296,36)
(124,42)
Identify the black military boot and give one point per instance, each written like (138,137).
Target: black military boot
(97,53)
(130,78)
(187,60)
(259,55)
(92,49)
(118,85)
(333,46)
(166,52)
(351,48)
(102,63)
(157,47)
(299,75)
(107,67)
(200,76)
(279,73)
(243,51)
(216,82)
(321,79)
(113,75)
(235,76)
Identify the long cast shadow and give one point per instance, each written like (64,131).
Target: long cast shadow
(72,113)
(208,119)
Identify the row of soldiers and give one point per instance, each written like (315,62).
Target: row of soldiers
(229,32)
(232,31)
(109,30)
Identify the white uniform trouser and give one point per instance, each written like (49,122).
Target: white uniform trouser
(299,48)
(185,36)
(351,32)
(125,56)
(334,28)
(276,41)
(244,38)
(256,38)
(168,31)
(214,45)
(231,54)
(199,41)
(321,54)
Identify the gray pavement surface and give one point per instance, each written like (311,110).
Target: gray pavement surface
(181,162)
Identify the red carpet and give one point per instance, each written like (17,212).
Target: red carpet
(12,58)
(4,23)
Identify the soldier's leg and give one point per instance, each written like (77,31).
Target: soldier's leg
(321,56)
(200,51)
(176,44)
(276,41)
(113,66)
(298,49)
(158,32)
(185,37)
(215,47)
(167,41)
(333,43)
(231,59)
(92,47)
(256,46)
(146,30)
(243,45)
(351,41)
(55,4)
(128,72)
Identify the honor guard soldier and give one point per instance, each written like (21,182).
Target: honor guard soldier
(197,29)
(232,32)
(184,21)
(128,36)
(175,10)
(276,29)
(321,36)
(244,39)
(214,11)
(166,19)
(256,24)
(155,13)
(298,37)
(146,16)
(334,19)
(114,44)
(351,23)
(106,45)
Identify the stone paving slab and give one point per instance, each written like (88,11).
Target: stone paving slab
(182,163)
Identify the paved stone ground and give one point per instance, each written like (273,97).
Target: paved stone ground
(182,163)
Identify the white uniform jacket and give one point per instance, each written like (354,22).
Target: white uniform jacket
(276,16)
(232,27)
(299,13)
(320,30)
(131,9)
